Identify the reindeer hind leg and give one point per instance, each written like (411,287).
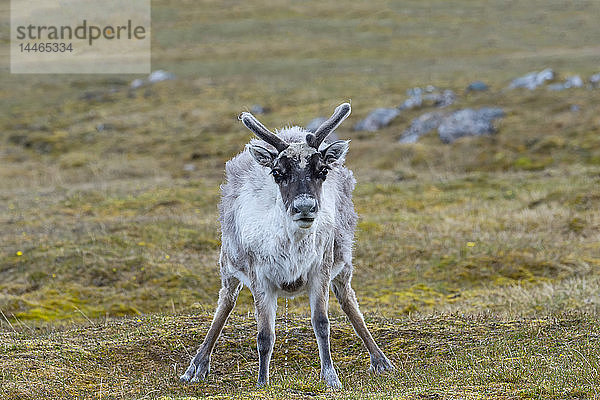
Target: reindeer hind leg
(347,299)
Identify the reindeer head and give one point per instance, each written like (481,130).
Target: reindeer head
(299,169)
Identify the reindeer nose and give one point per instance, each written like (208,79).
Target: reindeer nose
(304,205)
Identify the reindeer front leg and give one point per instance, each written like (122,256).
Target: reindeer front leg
(319,302)
(265,304)
(200,364)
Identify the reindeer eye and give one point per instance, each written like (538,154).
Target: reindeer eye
(277,175)
(322,173)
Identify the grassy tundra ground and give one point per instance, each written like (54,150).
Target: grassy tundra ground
(477,263)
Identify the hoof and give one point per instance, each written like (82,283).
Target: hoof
(261,385)
(381,364)
(331,379)
(197,371)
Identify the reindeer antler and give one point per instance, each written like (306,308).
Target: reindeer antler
(262,132)
(339,115)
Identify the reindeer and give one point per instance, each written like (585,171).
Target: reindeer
(288,223)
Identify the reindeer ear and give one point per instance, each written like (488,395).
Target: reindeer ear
(335,152)
(262,155)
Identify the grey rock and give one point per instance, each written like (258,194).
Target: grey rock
(595,80)
(574,81)
(533,79)
(189,167)
(414,92)
(430,96)
(491,113)
(377,119)
(104,127)
(422,125)
(415,99)
(314,124)
(570,82)
(443,99)
(412,102)
(575,108)
(160,75)
(156,76)
(258,109)
(469,122)
(332,137)
(477,86)
(137,83)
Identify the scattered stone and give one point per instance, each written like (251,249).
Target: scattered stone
(332,137)
(377,119)
(491,113)
(415,99)
(258,109)
(477,86)
(533,79)
(430,96)
(156,76)
(104,127)
(411,103)
(469,122)
(466,122)
(422,125)
(595,80)
(137,83)
(574,81)
(417,91)
(314,124)
(443,99)
(570,82)
(160,75)
(575,108)
(189,167)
